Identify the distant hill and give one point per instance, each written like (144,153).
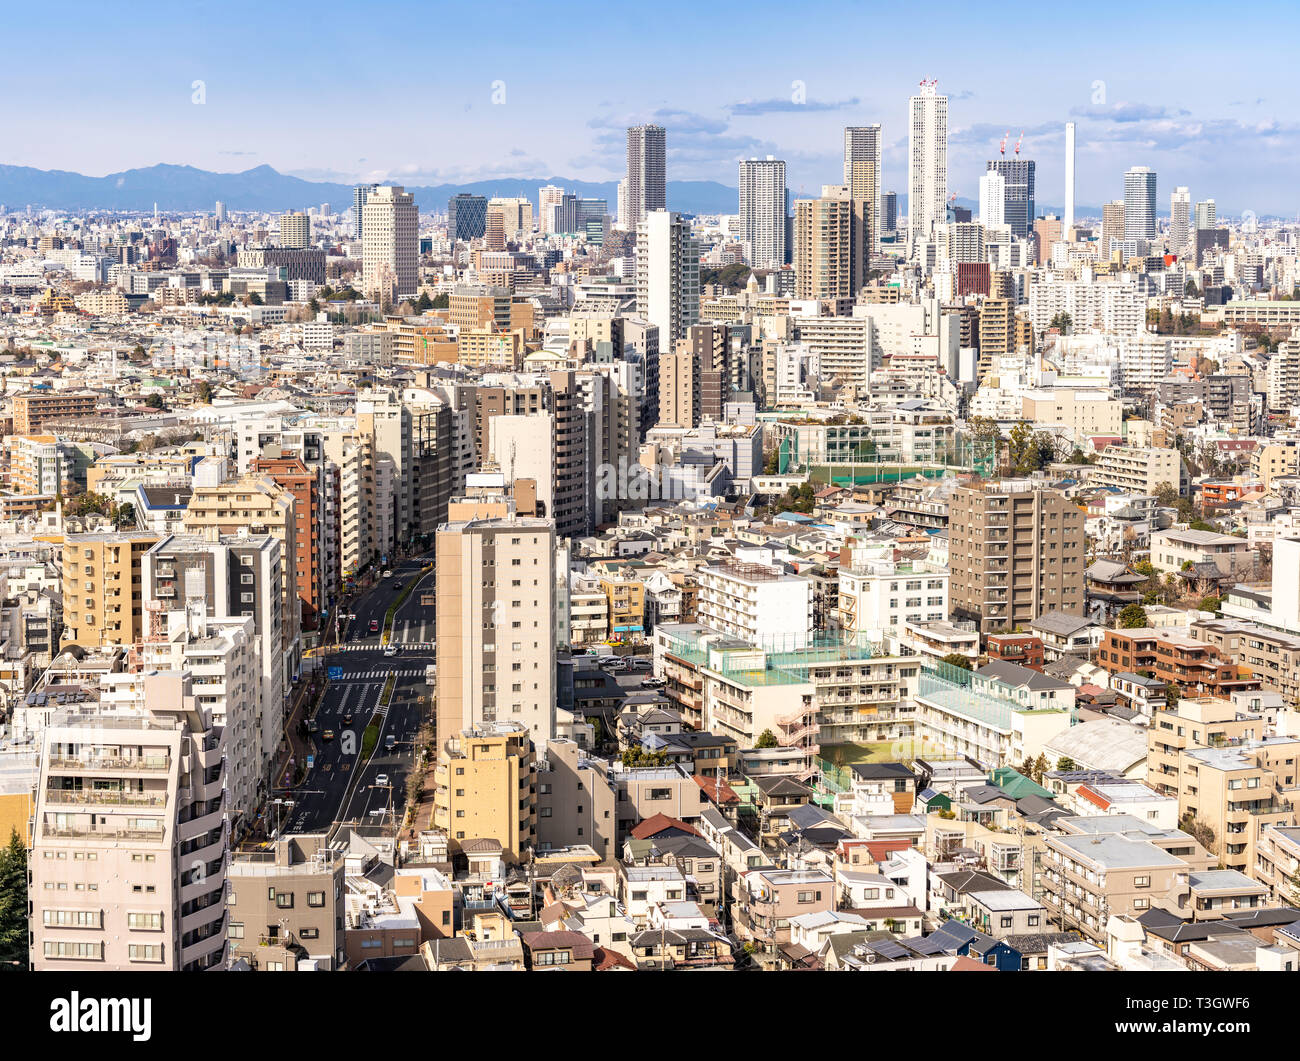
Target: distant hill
(187,189)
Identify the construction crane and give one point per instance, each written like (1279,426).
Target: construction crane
(1019,141)
(1002,147)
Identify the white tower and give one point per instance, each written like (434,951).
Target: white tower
(927,185)
(1067,222)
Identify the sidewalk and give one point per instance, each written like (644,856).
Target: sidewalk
(293,744)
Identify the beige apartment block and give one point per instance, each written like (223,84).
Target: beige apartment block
(102,598)
(486,788)
(128,844)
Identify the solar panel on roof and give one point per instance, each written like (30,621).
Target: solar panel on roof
(887,948)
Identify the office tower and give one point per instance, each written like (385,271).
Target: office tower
(496,631)
(824,245)
(102,604)
(667,274)
(646,173)
(295,231)
(547,196)
(466,217)
(390,246)
(1140,203)
(220,212)
(506,218)
(927,172)
(762,212)
(1180,208)
(1019,205)
(1205,214)
(1067,222)
(864,174)
(129,835)
(1112,228)
(360,194)
(889,215)
(1015,552)
(993,194)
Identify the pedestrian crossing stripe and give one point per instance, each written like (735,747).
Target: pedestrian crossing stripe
(386,672)
(414,646)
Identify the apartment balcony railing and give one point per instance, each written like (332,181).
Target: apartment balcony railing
(104,799)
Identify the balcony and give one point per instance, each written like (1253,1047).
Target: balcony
(104,798)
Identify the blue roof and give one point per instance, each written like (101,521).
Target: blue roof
(794,517)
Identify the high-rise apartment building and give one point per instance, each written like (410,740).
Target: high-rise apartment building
(506,218)
(825,247)
(102,601)
(295,231)
(391,242)
(667,274)
(547,196)
(864,175)
(304,485)
(993,194)
(646,172)
(1180,209)
(1112,228)
(927,174)
(496,628)
(762,212)
(1206,214)
(1014,553)
(129,834)
(1019,206)
(466,217)
(360,194)
(1140,203)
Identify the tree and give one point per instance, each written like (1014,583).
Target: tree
(767,739)
(441,300)
(1190,289)
(1199,831)
(1210,603)
(1172,693)
(1022,453)
(1062,322)
(125,515)
(1041,766)
(204,392)
(154,401)
(13,903)
(424,302)
(1132,617)
(956,659)
(1066,763)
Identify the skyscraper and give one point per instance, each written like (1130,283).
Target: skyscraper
(220,212)
(667,275)
(546,196)
(864,174)
(762,212)
(889,215)
(1067,222)
(1140,203)
(391,243)
(1112,227)
(927,172)
(359,196)
(646,180)
(295,231)
(466,217)
(1206,215)
(1018,201)
(1180,210)
(993,194)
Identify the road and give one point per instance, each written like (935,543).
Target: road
(340,787)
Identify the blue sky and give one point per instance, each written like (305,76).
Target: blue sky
(404,91)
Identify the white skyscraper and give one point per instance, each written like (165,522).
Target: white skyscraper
(390,241)
(667,275)
(993,197)
(1180,219)
(1067,222)
(1140,203)
(547,196)
(927,173)
(762,212)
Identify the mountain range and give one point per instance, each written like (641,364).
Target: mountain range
(186,189)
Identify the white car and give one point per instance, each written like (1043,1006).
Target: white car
(390,650)
(381,780)
(652,683)
(387,574)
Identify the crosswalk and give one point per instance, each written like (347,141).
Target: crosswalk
(384,672)
(354,646)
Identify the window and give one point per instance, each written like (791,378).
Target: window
(144,952)
(59,948)
(284,900)
(310,933)
(1033,920)
(144,921)
(1006,922)
(315,898)
(1142,882)
(236,930)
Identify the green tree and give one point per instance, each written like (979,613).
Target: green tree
(441,300)
(154,401)
(424,302)
(1062,322)
(956,659)
(1210,603)
(204,392)
(1132,617)
(1172,693)
(13,902)
(1022,454)
(1190,289)
(1066,763)
(125,515)
(766,739)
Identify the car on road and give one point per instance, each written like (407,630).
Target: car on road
(397,584)
(390,650)
(347,719)
(389,741)
(381,780)
(652,682)
(327,735)
(312,725)
(387,574)
(374,626)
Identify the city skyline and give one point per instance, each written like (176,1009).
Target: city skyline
(499,112)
